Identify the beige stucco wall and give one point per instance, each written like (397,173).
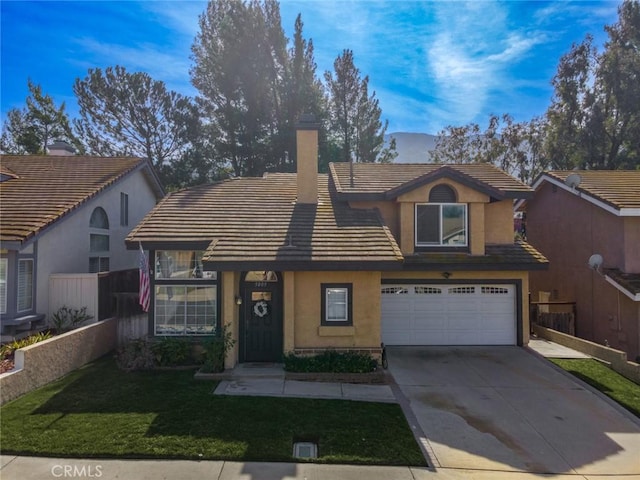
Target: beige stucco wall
(51,359)
(489,223)
(631,244)
(230,313)
(481,276)
(498,222)
(308,332)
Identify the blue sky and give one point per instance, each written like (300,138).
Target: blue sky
(431,63)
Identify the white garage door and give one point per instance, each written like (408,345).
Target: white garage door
(449,314)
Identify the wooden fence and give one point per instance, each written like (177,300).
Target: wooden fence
(559,316)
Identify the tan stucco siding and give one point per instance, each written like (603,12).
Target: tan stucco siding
(477,234)
(498,219)
(480,276)
(307,161)
(308,331)
(463,193)
(230,285)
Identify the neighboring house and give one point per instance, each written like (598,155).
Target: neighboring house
(65,214)
(397,253)
(569,220)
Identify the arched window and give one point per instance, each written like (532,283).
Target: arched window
(99,219)
(98,241)
(442,194)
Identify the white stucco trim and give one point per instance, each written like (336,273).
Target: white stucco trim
(618,212)
(635,298)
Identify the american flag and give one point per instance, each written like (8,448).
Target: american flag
(145,287)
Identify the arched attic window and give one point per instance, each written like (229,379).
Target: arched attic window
(98,241)
(442,194)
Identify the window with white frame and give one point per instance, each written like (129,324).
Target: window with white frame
(441,225)
(185,294)
(336,304)
(443,221)
(99,241)
(25,285)
(4,268)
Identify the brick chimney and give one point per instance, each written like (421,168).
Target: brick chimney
(307,158)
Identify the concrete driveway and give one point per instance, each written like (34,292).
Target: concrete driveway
(505,409)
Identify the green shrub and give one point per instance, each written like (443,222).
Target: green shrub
(67,318)
(7,349)
(136,355)
(330,361)
(215,350)
(172,351)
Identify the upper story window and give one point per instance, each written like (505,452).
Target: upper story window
(124,209)
(442,222)
(99,241)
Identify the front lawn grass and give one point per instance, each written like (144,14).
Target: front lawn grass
(100,411)
(612,384)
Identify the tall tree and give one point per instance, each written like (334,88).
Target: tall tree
(355,115)
(29,130)
(124,113)
(515,147)
(594,118)
(239,69)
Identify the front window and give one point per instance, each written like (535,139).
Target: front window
(181,264)
(336,304)
(99,241)
(441,224)
(185,310)
(186,294)
(25,285)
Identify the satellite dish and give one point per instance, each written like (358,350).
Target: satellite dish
(595,261)
(573,180)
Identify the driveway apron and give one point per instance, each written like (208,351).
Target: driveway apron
(503,408)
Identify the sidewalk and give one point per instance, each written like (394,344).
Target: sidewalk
(37,468)
(270,382)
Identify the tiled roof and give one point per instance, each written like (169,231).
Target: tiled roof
(387,178)
(45,188)
(517,256)
(256,221)
(618,188)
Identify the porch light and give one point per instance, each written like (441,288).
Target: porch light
(238,300)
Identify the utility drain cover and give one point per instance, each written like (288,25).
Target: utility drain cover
(305,450)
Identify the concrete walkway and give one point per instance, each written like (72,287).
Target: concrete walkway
(553,350)
(271,382)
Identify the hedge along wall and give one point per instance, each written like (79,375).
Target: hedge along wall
(41,363)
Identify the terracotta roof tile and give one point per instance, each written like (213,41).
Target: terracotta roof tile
(618,188)
(45,188)
(380,178)
(257,220)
